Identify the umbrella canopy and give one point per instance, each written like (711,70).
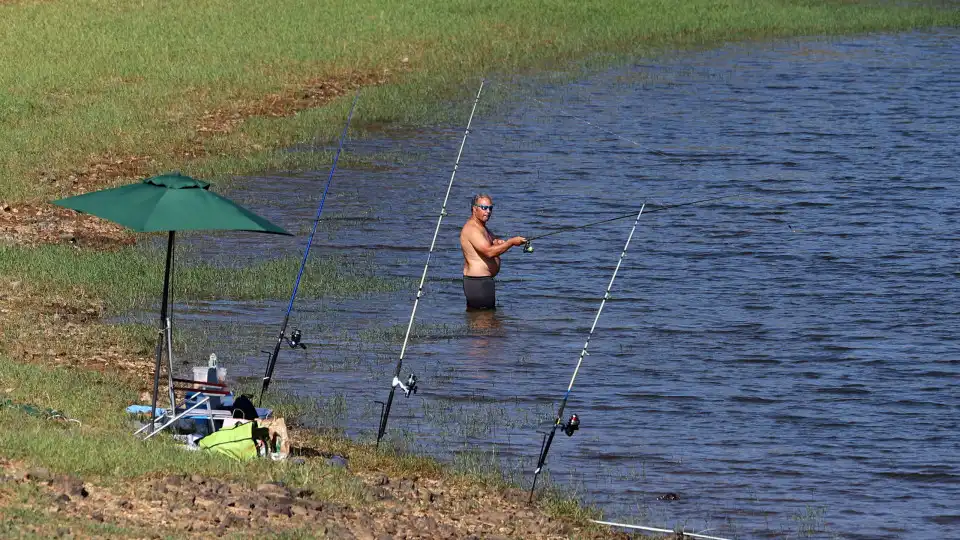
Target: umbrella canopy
(169,202)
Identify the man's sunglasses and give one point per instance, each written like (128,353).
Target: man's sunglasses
(484,206)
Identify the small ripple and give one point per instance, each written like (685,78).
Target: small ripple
(660,397)
(945,519)
(920,404)
(810,204)
(847,390)
(755,400)
(761,360)
(791,419)
(921,477)
(937,374)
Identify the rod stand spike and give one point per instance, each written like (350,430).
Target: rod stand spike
(383,407)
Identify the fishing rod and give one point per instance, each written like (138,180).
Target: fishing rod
(411,385)
(294,340)
(528,246)
(680,533)
(573,424)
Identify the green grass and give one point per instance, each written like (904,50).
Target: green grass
(486,468)
(133,277)
(103,449)
(108,77)
(326,413)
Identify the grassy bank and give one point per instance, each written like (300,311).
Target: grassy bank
(98,454)
(94,87)
(102,449)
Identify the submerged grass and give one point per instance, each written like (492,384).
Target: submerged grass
(133,278)
(78,87)
(419,333)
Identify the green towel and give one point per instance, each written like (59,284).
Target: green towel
(238,442)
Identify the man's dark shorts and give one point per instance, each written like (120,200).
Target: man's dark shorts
(481,292)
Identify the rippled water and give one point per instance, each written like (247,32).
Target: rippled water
(784,361)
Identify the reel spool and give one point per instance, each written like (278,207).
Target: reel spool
(294,339)
(409,388)
(572,425)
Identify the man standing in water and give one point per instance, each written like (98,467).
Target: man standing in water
(481,255)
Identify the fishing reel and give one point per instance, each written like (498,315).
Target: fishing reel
(528,247)
(294,339)
(409,388)
(572,425)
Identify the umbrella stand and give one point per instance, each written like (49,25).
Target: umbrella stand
(164,329)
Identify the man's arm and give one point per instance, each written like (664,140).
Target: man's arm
(488,249)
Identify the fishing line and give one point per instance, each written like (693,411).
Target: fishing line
(411,385)
(573,424)
(605,130)
(294,340)
(528,247)
(681,161)
(569,114)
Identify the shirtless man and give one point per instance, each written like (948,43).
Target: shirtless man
(481,255)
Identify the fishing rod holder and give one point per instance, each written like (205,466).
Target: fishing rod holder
(528,247)
(409,388)
(572,425)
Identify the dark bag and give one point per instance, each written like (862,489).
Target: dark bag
(243,408)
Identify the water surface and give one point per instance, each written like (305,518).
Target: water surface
(785,361)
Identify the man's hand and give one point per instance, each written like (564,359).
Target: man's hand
(517,241)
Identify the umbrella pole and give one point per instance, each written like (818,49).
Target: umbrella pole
(169,334)
(169,329)
(163,330)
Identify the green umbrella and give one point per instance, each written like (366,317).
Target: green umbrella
(169,202)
